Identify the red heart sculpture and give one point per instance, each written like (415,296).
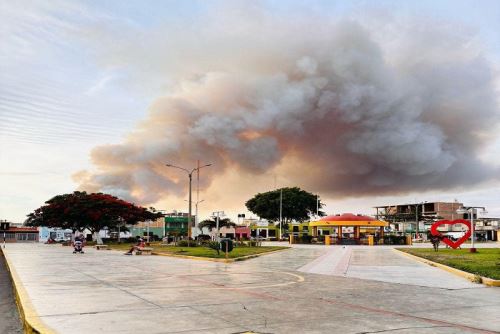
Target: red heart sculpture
(452,244)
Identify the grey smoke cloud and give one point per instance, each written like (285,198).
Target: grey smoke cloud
(358,110)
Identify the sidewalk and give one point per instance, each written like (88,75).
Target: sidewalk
(10,322)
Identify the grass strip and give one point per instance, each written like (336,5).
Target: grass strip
(485,262)
(202,251)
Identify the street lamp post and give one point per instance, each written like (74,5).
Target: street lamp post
(163,222)
(147,228)
(119,230)
(471,210)
(190,174)
(416,216)
(196,219)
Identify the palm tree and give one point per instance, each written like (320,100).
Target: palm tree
(212,223)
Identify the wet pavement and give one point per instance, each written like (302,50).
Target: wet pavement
(383,264)
(106,292)
(9,317)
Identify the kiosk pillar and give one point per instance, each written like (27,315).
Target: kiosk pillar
(370,240)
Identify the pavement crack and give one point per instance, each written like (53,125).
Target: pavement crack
(118,288)
(404,315)
(215,315)
(401,328)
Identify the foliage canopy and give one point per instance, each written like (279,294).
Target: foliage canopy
(297,204)
(79,210)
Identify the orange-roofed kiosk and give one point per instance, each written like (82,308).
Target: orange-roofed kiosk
(350,229)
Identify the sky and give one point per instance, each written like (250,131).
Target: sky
(363,104)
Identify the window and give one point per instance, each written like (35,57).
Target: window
(304,228)
(295,229)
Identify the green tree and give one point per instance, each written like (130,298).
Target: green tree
(297,205)
(79,211)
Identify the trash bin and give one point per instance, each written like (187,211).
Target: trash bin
(226,244)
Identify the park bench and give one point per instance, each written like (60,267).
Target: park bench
(99,247)
(145,250)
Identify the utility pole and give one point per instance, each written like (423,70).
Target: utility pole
(281,211)
(317,207)
(190,231)
(416,220)
(196,220)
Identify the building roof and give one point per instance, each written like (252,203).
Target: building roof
(22,229)
(348,219)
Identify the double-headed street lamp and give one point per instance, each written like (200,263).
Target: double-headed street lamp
(217,215)
(470,210)
(190,174)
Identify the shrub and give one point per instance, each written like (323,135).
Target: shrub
(253,243)
(240,243)
(129,239)
(215,246)
(185,243)
(304,239)
(394,240)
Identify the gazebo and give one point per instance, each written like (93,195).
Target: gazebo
(365,225)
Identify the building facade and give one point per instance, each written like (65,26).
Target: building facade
(10,233)
(404,218)
(172,224)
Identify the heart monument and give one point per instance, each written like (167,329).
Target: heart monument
(452,244)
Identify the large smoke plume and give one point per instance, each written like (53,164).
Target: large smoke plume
(345,108)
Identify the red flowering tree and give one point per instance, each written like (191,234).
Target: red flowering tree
(79,211)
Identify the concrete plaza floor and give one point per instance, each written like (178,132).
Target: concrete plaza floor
(107,292)
(383,264)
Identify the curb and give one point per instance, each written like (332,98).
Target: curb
(223,260)
(471,277)
(32,323)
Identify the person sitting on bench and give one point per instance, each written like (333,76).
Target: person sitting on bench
(140,244)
